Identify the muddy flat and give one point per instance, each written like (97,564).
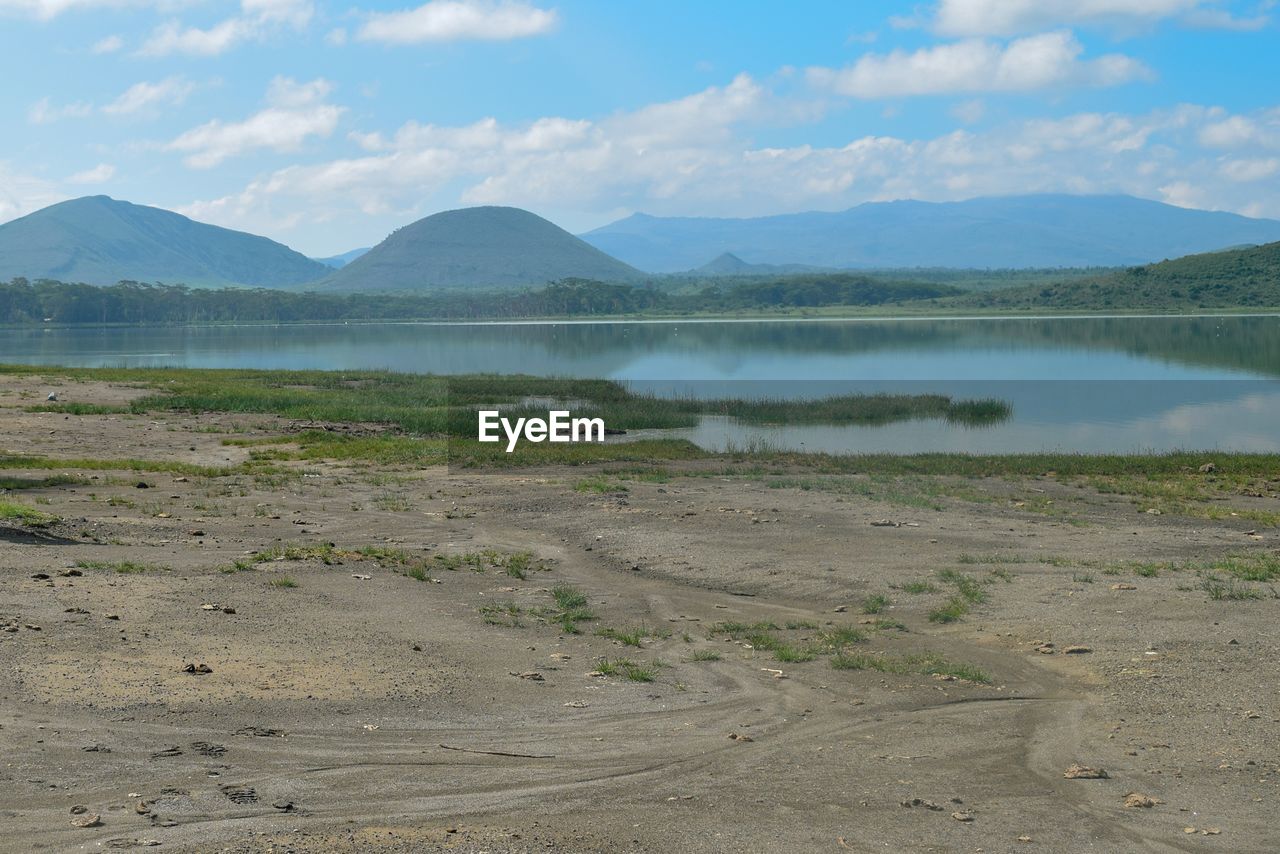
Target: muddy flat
(340,656)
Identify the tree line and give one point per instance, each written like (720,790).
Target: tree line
(23,301)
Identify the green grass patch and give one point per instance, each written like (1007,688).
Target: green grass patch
(928,664)
(284,582)
(625,667)
(502,614)
(11,511)
(955,608)
(875,604)
(635,636)
(124,567)
(705,655)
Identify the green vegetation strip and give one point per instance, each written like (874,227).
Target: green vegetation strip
(23,515)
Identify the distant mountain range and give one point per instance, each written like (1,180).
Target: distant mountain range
(1014,231)
(728,264)
(337,262)
(100,241)
(485,247)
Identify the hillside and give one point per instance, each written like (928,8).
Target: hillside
(100,241)
(484,247)
(1238,278)
(1014,231)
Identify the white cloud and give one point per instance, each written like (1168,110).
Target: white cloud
(456,20)
(22,194)
(43,112)
(977,65)
(258,19)
(46,10)
(172,90)
(295,112)
(110,44)
(1236,131)
(99,174)
(693,156)
(1012,17)
(1250,170)
(1221,19)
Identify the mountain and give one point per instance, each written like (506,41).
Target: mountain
(337,262)
(1237,278)
(1011,231)
(728,264)
(100,241)
(484,247)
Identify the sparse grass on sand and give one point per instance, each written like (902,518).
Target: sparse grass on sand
(124,567)
(11,511)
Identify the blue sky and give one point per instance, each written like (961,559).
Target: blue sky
(325,126)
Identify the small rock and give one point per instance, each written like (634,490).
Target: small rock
(1024,838)
(88,819)
(1122,586)
(840,609)
(1077,650)
(1084,772)
(283,805)
(197,669)
(1135,800)
(962,816)
(1154,511)
(142,484)
(1208,468)
(112,616)
(921,802)
(531,675)
(228,609)
(737,736)
(1046,649)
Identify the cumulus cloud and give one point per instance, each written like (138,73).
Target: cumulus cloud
(1031,63)
(140,96)
(294,113)
(46,10)
(1012,17)
(44,112)
(99,174)
(701,162)
(457,20)
(257,20)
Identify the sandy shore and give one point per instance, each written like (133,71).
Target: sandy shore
(362,709)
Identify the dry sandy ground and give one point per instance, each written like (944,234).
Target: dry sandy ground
(386,714)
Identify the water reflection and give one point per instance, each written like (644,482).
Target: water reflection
(1086,384)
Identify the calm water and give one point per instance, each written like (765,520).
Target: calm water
(1076,384)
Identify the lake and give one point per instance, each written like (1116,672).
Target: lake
(1099,384)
